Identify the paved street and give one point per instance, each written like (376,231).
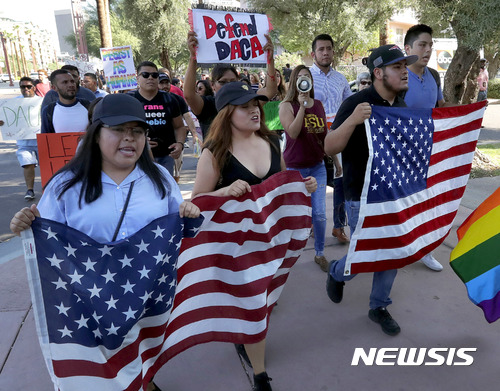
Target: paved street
(311,341)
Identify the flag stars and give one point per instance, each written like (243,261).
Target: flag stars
(129,314)
(158,232)
(109,276)
(373,120)
(62,309)
(111,303)
(374,187)
(97,333)
(410,121)
(159,257)
(144,272)
(125,261)
(386,121)
(142,246)
(159,299)
(112,330)
(65,332)
(94,291)
(128,287)
(162,279)
(54,261)
(50,234)
(89,265)
(71,251)
(60,284)
(96,317)
(106,250)
(75,277)
(82,322)
(399,121)
(145,297)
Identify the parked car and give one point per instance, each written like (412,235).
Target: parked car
(4,78)
(34,75)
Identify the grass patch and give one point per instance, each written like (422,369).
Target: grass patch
(493,153)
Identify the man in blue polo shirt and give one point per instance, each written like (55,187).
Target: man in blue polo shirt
(424,87)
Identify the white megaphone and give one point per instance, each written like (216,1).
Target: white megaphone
(304,84)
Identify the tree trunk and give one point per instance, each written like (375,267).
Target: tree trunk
(104,25)
(165,59)
(383,35)
(460,74)
(494,63)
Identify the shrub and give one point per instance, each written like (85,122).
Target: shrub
(494,89)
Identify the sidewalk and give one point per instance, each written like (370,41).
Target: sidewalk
(311,340)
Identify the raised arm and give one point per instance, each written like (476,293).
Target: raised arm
(192,98)
(271,88)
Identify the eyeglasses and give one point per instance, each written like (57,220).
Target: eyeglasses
(136,131)
(146,75)
(26,87)
(365,83)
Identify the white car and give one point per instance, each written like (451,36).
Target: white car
(4,78)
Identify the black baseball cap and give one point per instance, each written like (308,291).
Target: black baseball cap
(116,109)
(236,93)
(387,55)
(164,76)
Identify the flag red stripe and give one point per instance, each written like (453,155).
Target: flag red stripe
(404,215)
(221,216)
(242,262)
(387,264)
(456,131)
(457,150)
(408,238)
(456,111)
(449,174)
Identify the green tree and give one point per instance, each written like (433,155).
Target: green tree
(354,25)
(474,24)
(162,27)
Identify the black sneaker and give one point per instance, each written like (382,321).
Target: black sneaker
(30,195)
(334,288)
(261,382)
(240,349)
(381,316)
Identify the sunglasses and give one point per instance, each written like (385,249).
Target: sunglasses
(146,75)
(366,83)
(25,87)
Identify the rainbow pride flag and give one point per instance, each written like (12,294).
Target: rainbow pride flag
(476,258)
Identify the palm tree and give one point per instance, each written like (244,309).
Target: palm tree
(104,23)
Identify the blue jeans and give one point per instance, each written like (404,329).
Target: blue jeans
(318,202)
(167,162)
(338,203)
(382,281)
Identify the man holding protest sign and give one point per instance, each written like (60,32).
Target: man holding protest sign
(68,113)
(27,152)
(241,44)
(168,132)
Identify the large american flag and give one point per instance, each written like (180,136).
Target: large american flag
(418,167)
(232,273)
(101,310)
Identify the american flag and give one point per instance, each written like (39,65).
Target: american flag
(418,167)
(232,273)
(101,310)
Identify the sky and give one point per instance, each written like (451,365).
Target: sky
(40,12)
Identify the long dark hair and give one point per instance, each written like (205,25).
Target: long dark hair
(292,94)
(219,137)
(86,167)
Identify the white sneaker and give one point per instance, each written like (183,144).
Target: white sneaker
(431,263)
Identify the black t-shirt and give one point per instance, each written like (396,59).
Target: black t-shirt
(234,170)
(183,107)
(160,112)
(207,115)
(355,154)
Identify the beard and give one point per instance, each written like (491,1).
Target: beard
(389,86)
(67,95)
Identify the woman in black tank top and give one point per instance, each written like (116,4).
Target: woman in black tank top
(239,152)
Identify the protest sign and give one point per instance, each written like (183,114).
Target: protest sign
(21,118)
(54,151)
(230,37)
(119,69)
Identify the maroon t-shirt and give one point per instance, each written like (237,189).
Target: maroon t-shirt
(307,149)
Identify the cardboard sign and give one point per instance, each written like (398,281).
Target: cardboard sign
(119,69)
(54,151)
(21,117)
(230,37)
